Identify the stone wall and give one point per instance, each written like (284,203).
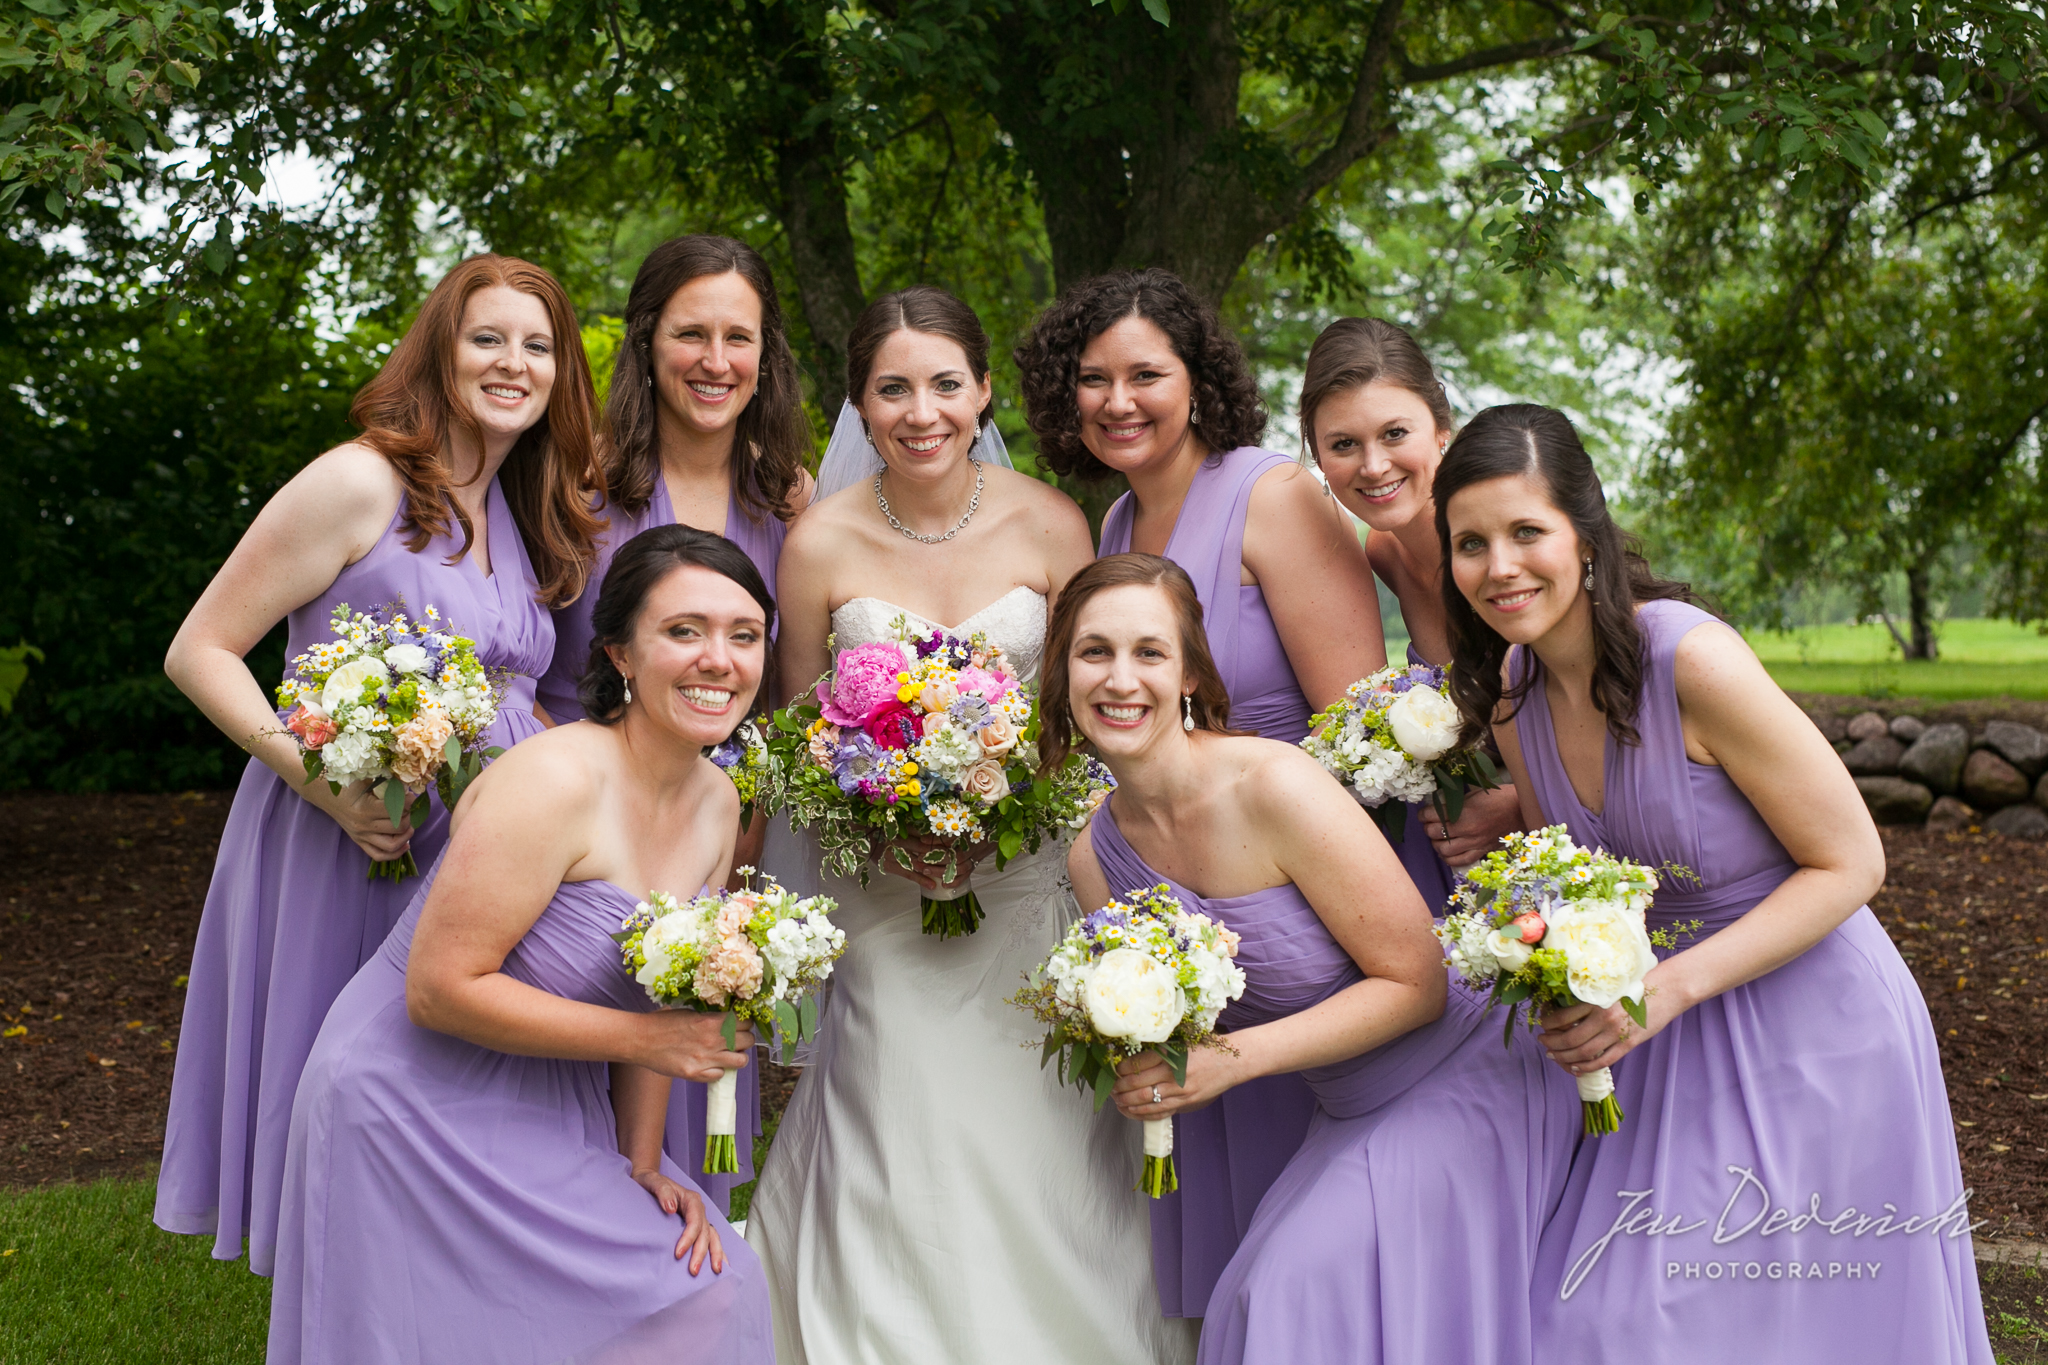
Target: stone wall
(1946,773)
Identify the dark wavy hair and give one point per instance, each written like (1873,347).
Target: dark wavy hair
(1057,733)
(641,563)
(1354,352)
(1225,393)
(771,438)
(1541,443)
(921,308)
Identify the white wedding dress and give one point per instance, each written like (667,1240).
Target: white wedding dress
(933,1197)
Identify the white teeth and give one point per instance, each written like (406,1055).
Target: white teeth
(500,391)
(926,445)
(1122,712)
(1384,488)
(712,390)
(715,698)
(1514,599)
(1124,433)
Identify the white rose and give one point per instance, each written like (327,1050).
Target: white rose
(657,963)
(1508,950)
(1133,995)
(1606,950)
(346,683)
(405,658)
(1424,723)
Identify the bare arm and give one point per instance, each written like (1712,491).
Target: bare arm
(1317,583)
(640,1107)
(1064,541)
(802,582)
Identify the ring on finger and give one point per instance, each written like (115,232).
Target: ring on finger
(1155,1094)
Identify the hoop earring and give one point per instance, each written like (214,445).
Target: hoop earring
(1589,576)
(629,689)
(1187,712)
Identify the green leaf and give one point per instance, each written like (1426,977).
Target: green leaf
(393,792)
(730,1031)
(1637,1010)
(451,752)
(218,251)
(1157,9)
(1105,1082)
(1175,1054)
(1791,141)
(313,763)
(183,72)
(422,807)
(1009,842)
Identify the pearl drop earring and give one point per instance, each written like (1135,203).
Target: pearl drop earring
(629,691)
(1589,575)
(1187,712)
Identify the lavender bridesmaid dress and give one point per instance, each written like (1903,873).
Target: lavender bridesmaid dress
(1425,866)
(445,1203)
(762,541)
(292,911)
(1785,1185)
(1404,1228)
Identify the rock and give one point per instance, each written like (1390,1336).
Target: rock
(1990,782)
(2020,745)
(2041,792)
(1833,727)
(1893,800)
(1876,757)
(1950,815)
(2020,822)
(1869,725)
(1908,728)
(1936,758)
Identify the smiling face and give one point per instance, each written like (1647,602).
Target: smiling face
(1126,672)
(1135,395)
(504,361)
(1516,558)
(920,404)
(1379,447)
(706,352)
(696,656)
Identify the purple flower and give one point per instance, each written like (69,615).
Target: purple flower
(970,712)
(857,765)
(729,753)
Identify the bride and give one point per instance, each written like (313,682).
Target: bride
(933,1195)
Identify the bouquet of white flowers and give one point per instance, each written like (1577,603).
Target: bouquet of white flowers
(1392,738)
(758,955)
(1544,921)
(1140,974)
(403,703)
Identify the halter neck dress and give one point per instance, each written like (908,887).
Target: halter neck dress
(292,911)
(445,1203)
(762,541)
(1404,1228)
(1691,1235)
(1230,1152)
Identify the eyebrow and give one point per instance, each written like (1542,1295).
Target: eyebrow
(1096,636)
(904,378)
(698,616)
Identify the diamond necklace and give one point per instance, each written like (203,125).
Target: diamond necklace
(973,503)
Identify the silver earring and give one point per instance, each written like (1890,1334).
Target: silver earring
(1187,712)
(977,433)
(1589,575)
(1194,414)
(629,691)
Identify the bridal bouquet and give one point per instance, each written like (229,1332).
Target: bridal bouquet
(924,738)
(1392,738)
(1544,921)
(754,954)
(1140,974)
(743,757)
(400,702)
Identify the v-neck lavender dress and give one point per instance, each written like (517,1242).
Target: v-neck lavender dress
(445,1203)
(1785,1185)
(762,541)
(1404,1228)
(292,911)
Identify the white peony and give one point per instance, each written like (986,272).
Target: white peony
(1133,995)
(405,658)
(346,683)
(1508,950)
(1606,949)
(1424,723)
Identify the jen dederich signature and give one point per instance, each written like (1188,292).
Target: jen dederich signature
(1639,1219)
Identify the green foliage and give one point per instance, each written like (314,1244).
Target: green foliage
(14,672)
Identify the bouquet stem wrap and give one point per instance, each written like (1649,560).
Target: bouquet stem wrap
(951,911)
(1596,1096)
(721,1113)
(1159,1176)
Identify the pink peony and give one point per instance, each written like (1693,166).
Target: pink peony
(984,684)
(862,680)
(313,727)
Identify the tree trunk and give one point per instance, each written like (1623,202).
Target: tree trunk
(1922,645)
(812,190)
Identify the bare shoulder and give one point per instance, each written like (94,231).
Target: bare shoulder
(800,496)
(1290,490)
(1275,780)
(549,780)
(825,527)
(350,480)
(1711,656)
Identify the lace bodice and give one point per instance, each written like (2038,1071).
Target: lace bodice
(1014,622)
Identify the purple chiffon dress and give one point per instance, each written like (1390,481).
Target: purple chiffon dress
(445,1203)
(1425,866)
(762,541)
(292,911)
(1785,1184)
(1405,1227)
(1230,1152)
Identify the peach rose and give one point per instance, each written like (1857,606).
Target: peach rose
(997,737)
(417,748)
(823,745)
(313,727)
(984,781)
(937,695)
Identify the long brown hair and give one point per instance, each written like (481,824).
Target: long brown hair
(770,438)
(1354,352)
(405,413)
(921,308)
(1541,444)
(1057,733)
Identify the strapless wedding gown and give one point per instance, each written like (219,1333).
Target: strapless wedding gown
(933,1197)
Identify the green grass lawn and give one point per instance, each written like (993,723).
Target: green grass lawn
(86,1277)
(1979,658)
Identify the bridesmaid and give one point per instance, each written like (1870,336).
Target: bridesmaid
(1132,374)
(1788,1077)
(464,492)
(704,427)
(1434,1152)
(1376,420)
(467,1179)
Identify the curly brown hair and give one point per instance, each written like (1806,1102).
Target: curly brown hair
(1226,395)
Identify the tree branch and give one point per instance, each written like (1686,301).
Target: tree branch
(1363,129)
(1507,54)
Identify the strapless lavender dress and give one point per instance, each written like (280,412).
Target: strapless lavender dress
(1230,1152)
(292,911)
(1404,1228)
(762,541)
(1692,1234)
(444,1203)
